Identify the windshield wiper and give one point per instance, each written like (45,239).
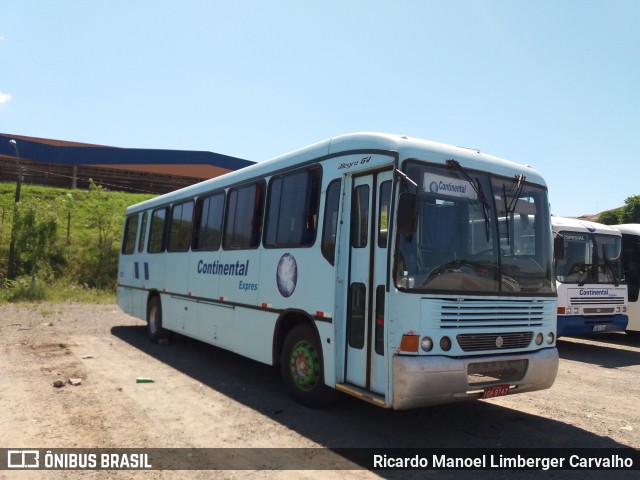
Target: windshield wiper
(513,201)
(406,178)
(486,208)
(585,274)
(589,271)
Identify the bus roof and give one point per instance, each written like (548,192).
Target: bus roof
(576,225)
(630,228)
(406,147)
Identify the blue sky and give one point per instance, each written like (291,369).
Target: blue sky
(551,83)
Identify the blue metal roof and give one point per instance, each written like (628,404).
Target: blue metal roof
(91,155)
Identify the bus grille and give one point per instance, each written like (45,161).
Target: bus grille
(494,341)
(598,311)
(488,313)
(597,301)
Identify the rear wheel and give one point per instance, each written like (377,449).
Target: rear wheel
(154,321)
(302,368)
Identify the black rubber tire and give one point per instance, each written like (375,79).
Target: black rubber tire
(155,329)
(302,368)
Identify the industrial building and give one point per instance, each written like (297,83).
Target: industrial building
(72,165)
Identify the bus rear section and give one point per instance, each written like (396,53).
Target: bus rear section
(631,267)
(592,296)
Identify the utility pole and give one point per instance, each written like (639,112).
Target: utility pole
(11,269)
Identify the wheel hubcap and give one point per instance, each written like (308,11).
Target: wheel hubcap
(304,365)
(153,320)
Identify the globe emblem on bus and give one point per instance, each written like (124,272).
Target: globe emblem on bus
(499,342)
(287,275)
(433,187)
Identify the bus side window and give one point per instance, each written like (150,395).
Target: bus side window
(208,228)
(293,209)
(360,217)
(157,231)
(383,214)
(143,230)
(243,226)
(180,227)
(130,231)
(631,265)
(330,223)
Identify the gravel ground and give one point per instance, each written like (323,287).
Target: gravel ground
(204,397)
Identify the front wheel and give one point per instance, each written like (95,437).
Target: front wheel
(154,321)
(302,368)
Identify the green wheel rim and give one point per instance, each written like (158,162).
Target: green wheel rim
(304,365)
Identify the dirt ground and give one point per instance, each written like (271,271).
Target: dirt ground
(204,397)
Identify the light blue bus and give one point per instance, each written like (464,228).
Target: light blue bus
(592,296)
(372,264)
(631,267)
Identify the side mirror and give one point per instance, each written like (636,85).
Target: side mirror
(407,213)
(558,247)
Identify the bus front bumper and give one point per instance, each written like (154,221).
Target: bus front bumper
(420,381)
(572,325)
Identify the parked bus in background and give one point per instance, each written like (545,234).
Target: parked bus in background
(376,265)
(592,297)
(631,267)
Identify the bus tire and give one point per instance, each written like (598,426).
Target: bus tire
(302,368)
(154,321)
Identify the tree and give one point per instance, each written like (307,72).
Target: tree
(631,210)
(99,263)
(610,217)
(36,239)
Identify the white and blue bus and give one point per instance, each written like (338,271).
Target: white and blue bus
(592,297)
(631,267)
(372,264)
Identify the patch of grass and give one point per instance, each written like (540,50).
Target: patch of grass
(23,291)
(77,260)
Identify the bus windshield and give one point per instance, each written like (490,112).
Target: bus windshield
(589,258)
(476,232)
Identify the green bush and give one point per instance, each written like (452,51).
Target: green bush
(65,241)
(24,289)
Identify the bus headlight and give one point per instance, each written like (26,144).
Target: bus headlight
(550,338)
(445,344)
(426,344)
(539,339)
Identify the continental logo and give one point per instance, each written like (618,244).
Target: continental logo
(592,292)
(237,269)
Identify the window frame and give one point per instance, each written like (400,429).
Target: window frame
(127,240)
(198,222)
(143,230)
(308,215)
(184,245)
(257,217)
(163,230)
(329,230)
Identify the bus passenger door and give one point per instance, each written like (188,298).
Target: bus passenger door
(366,366)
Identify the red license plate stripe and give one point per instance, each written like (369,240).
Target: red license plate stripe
(495,391)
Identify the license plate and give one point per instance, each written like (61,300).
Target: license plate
(599,328)
(495,391)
